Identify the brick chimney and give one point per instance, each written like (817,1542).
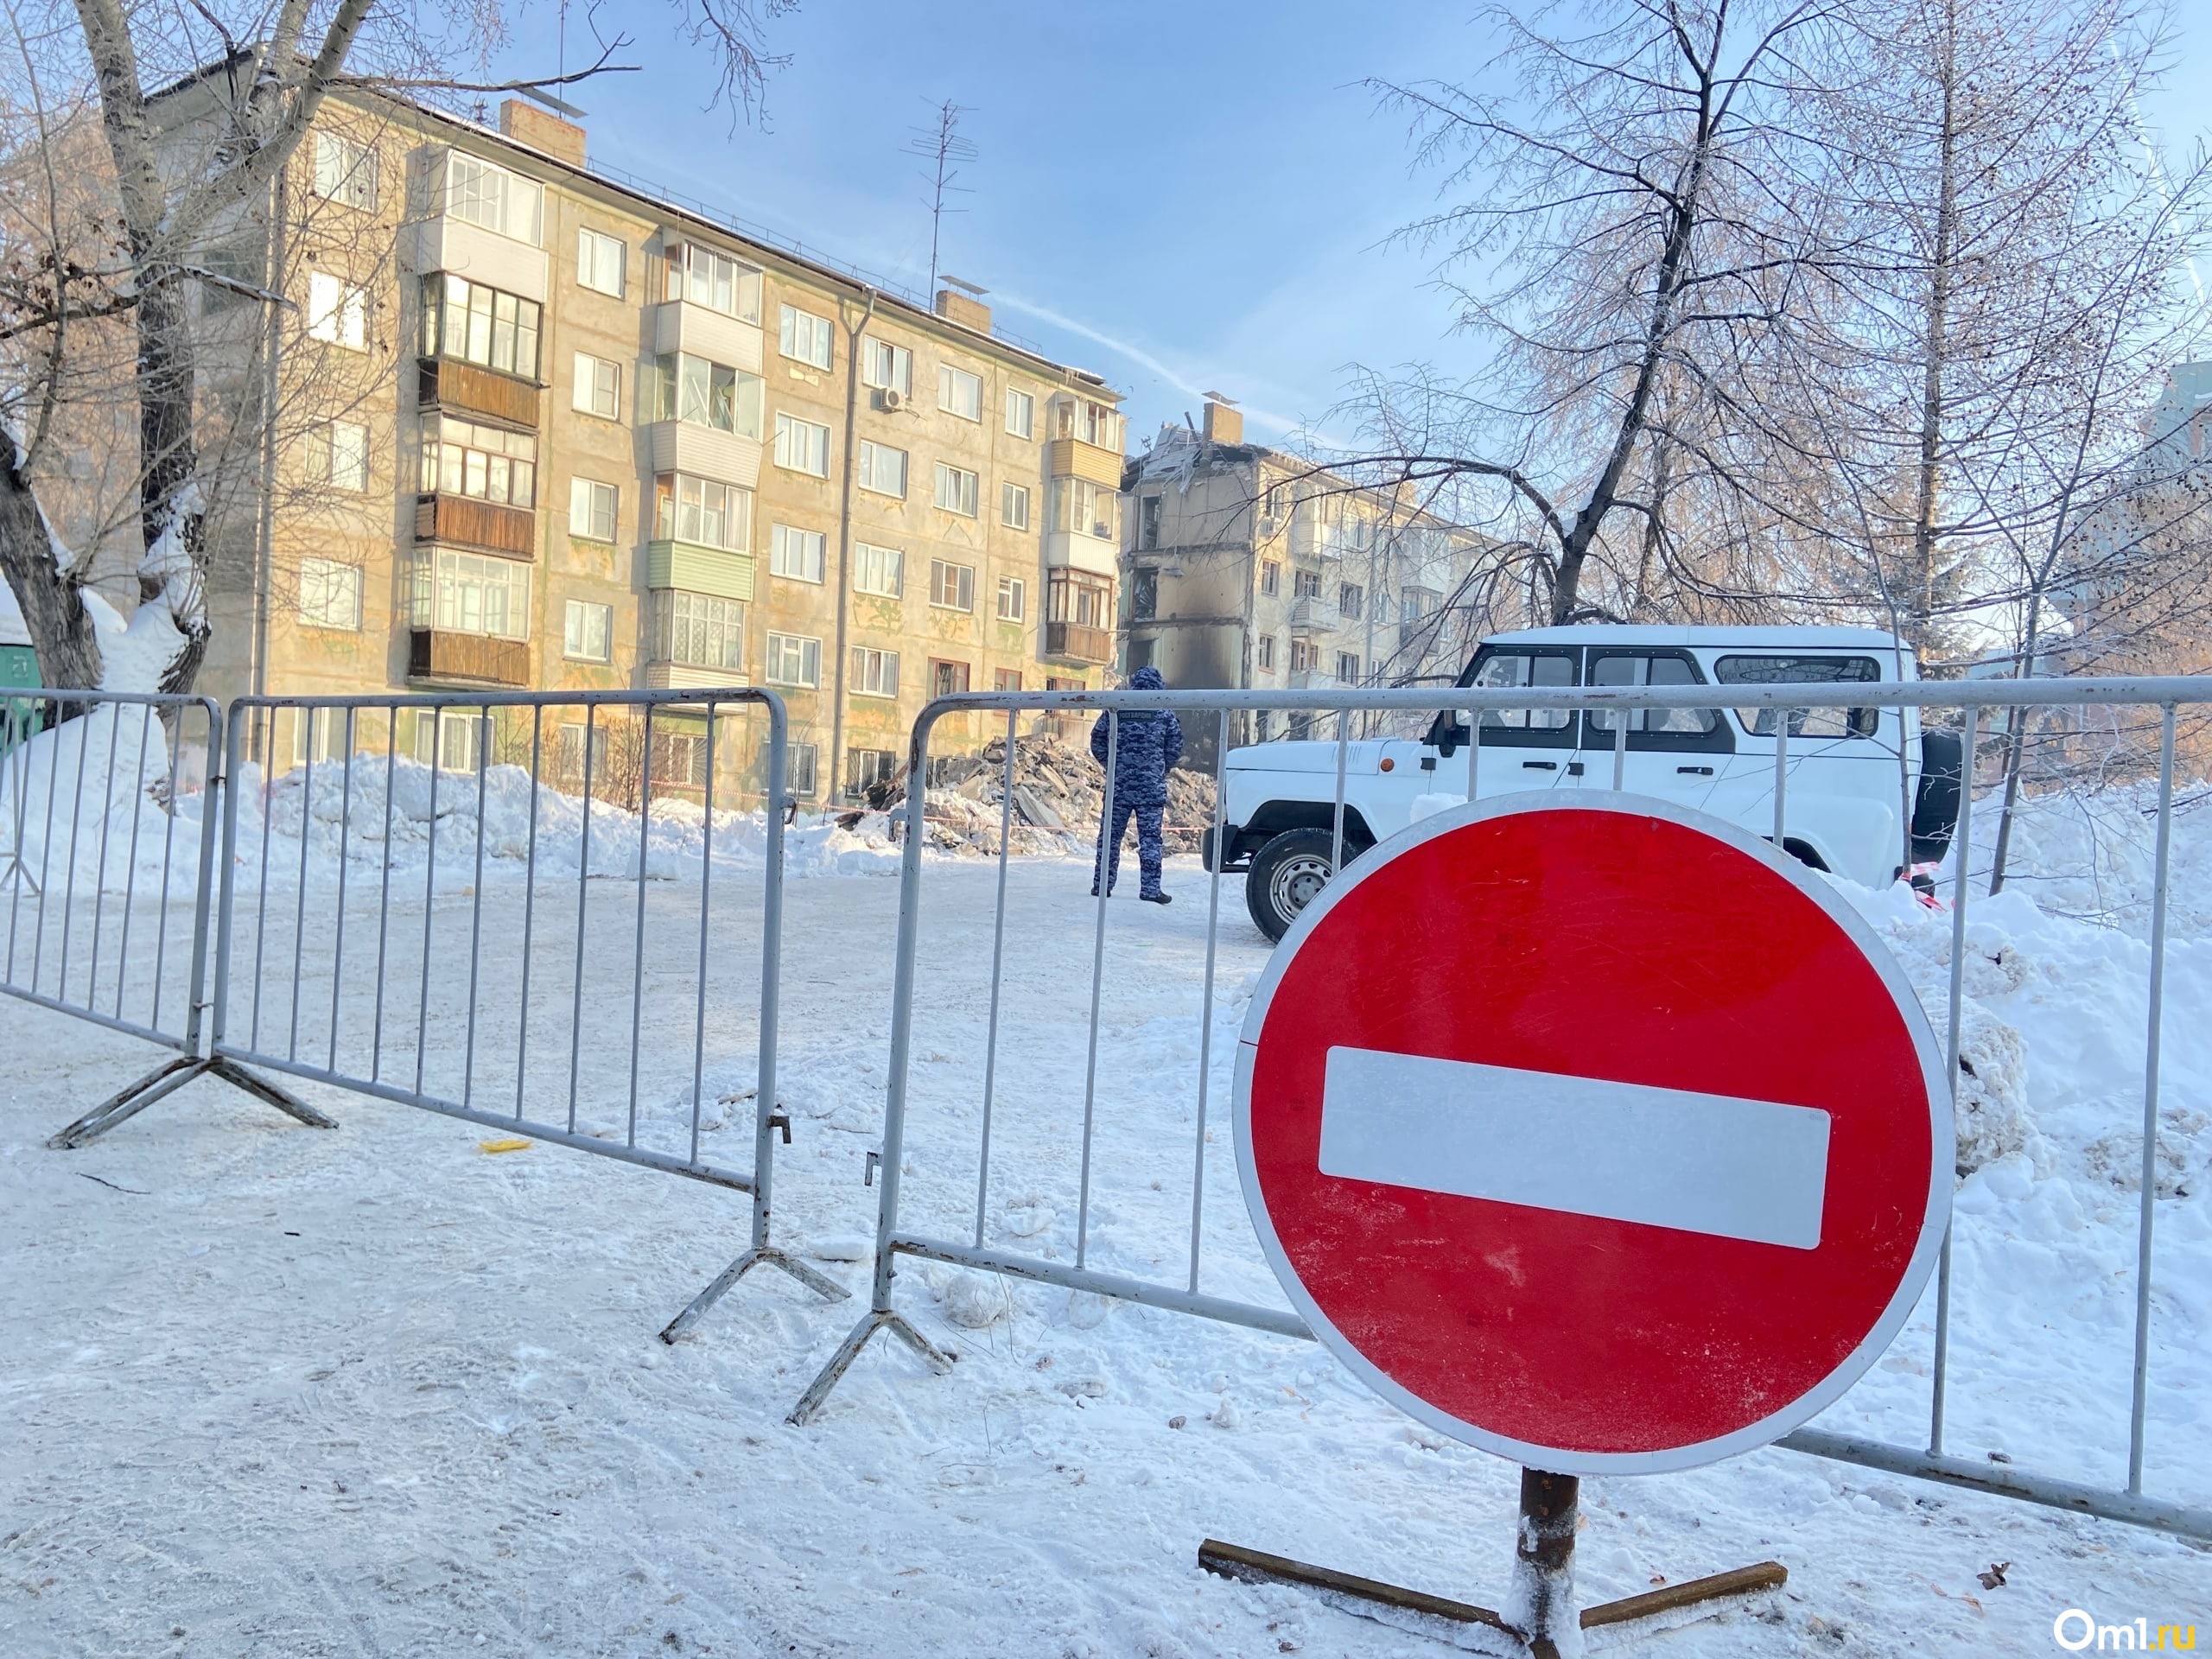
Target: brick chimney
(542,130)
(1223,423)
(961,308)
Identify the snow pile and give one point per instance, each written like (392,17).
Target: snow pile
(85,805)
(2094,855)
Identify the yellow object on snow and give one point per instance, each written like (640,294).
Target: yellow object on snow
(511,1144)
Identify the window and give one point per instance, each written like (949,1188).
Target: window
(1267,650)
(794,660)
(598,387)
(339,455)
(1303,655)
(591,509)
(952,587)
(1305,584)
(680,758)
(714,280)
(569,751)
(865,769)
(802,446)
(1148,522)
(876,673)
(491,196)
(879,571)
(796,553)
(883,469)
(345,171)
(455,739)
(1014,505)
(1804,670)
(601,261)
(1649,727)
(1013,599)
(1083,600)
(889,367)
(1006,679)
(336,311)
(1417,603)
(957,490)
(1270,577)
(471,592)
(1348,667)
(1553,728)
(1087,509)
(1144,592)
(1351,598)
(702,512)
(318,734)
(1021,413)
(330,595)
(688,388)
(699,631)
(587,632)
(475,324)
(1094,423)
(802,777)
(488,463)
(947,679)
(805,337)
(959,393)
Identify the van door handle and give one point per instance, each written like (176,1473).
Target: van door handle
(1701,772)
(1540,765)
(1575,768)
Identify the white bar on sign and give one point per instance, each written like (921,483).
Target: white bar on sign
(1716,1163)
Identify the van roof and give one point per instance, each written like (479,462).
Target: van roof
(1769,638)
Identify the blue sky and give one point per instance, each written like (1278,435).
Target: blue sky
(1179,196)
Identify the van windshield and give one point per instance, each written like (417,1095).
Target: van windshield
(1802,670)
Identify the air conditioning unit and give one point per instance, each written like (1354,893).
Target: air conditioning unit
(889,400)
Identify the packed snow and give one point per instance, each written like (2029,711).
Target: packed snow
(382,1390)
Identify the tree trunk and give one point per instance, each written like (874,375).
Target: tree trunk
(54,609)
(1921,596)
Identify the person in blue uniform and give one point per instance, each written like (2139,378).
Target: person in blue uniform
(1149,742)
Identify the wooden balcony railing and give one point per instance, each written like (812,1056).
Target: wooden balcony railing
(460,521)
(465,387)
(1075,642)
(437,654)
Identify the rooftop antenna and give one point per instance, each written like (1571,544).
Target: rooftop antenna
(941,144)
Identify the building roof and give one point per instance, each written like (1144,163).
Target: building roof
(1766,639)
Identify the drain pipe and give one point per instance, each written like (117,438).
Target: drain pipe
(853,333)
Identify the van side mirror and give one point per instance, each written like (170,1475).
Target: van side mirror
(1446,733)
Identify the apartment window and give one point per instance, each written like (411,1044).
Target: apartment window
(802,446)
(1014,505)
(591,509)
(330,595)
(959,393)
(1087,509)
(318,734)
(1094,423)
(1303,655)
(1267,651)
(1305,584)
(1006,679)
(879,571)
(1078,597)
(345,171)
(338,312)
(714,280)
(865,769)
(947,679)
(1021,413)
(876,673)
(475,324)
(1350,597)
(802,777)
(471,592)
(883,469)
(491,196)
(1270,578)
(339,455)
(488,463)
(587,632)
(952,587)
(1013,599)
(794,660)
(680,758)
(888,367)
(699,631)
(598,387)
(601,261)
(703,513)
(1348,667)
(805,337)
(1416,603)
(688,388)
(1148,522)
(796,553)
(957,490)
(568,751)
(1144,592)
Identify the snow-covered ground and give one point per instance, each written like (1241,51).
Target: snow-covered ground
(268,1391)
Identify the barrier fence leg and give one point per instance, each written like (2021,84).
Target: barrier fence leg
(761,1253)
(1540,1601)
(164,1080)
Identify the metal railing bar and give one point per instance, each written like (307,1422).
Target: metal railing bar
(706,912)
(76,825)
(265,726)
(2161,882)
(998,963)
(430,887)
(46,847)
(1205,994)
(583,900)
(345,853)
(130,869)
(383,898)
(169,850)
(529,902)
(300,899)
(476,910)
(131,1027)
(1109,848)
(638,959)
(1962,850)
(1337,811)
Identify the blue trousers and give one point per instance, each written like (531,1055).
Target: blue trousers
(1150,847)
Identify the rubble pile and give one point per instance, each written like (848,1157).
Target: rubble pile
(1056,801)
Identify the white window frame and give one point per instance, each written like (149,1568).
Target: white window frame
(1013,599)
(345,172)
(481,192)
(803,775)
(952,587)
(592,504)
(338,311)
(960,393)
(443,578)
(872,463)
(1266,655)
(879,571)
(692,269)
(330,595)
(887,367)
(804,337)
(958,490)
(791,431)
(875,672)
(595,250)
(679,495)
(598,388)
(341,457)
(580,620)
(1020,412)
(1014,505)
(711,617)
(796,555)
(793,659)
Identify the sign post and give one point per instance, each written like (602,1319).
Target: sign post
(1598,1134)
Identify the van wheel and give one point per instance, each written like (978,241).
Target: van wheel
(1287,873)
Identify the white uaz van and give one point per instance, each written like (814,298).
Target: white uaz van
(1851,769)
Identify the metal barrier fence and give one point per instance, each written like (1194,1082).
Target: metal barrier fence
(1781,726)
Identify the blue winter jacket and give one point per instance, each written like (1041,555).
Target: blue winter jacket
(1149,742)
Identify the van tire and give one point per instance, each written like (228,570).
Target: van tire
(1287,873)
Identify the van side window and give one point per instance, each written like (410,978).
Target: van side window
(1510,670)
(1635,668)
(1804,670)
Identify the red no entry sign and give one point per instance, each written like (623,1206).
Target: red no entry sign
(1596,1133)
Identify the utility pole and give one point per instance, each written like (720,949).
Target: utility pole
(941,145)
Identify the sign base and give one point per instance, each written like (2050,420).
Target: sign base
(1542,1583)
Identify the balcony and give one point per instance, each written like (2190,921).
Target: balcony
(1074,458)
(1313,679)
(1074,643)
(473,658)
(697,569)
(1065,550)
(465,389)
(687,447)
(664,676)
(460,521)
(1311,614)
(683,325)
